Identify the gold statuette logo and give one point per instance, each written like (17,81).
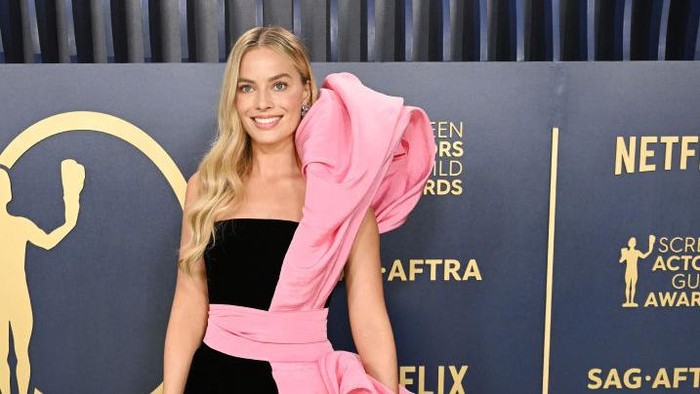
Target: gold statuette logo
(631,256)
(15,231)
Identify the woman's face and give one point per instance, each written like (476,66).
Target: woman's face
(269,96)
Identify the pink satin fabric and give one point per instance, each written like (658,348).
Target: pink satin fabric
(358,148)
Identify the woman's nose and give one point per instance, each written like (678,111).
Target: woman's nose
(263,100)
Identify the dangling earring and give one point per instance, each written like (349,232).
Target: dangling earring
(304,109)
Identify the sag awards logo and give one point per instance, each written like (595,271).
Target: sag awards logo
(15,232)
(448,169)
(671,267)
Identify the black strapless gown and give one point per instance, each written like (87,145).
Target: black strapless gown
(243,267)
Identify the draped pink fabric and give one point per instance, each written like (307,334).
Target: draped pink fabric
(358,148)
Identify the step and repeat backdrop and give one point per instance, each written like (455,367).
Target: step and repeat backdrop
(555,249)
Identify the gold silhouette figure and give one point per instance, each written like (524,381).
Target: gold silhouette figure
(630,255)
(15,232)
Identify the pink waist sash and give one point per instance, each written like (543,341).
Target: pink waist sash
(257,334)
(288,337)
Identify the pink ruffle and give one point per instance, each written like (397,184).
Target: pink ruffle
(343,373)
(358,148)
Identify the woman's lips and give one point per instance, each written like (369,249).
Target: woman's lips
(266,122)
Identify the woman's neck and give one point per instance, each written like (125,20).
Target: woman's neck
(274,161)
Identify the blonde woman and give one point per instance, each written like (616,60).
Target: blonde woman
(293,193)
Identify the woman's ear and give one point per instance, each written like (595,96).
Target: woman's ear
(307,93)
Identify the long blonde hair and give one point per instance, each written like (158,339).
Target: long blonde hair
(229,160)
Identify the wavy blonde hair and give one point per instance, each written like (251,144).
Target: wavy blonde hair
(229,160)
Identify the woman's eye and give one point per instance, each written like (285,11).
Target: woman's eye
(245,88)
(279,86)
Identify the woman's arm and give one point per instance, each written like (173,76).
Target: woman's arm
(369,321)
(188,316)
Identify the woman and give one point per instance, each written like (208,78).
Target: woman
(278,209)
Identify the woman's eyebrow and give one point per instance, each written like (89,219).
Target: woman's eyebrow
(278,76)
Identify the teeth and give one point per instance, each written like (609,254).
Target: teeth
(267,120)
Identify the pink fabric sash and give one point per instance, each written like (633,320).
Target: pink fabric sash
(271,336)
(358,148)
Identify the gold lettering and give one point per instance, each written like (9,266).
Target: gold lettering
(676,249)
(594,377)
(403,372)
(645,153)
(441,378)
(696,374)
(613,379)
(678,281)
(458,131)
(678,376)
(632,379)
(429,187)
(686,151)
(661,379)
(433,263)
(673,299)
(651,301)
(455,168)
(669,262)
(472,271)
(445,129)
(441,128)
(659,264)
(668,141)
(457,379)
(414,267)
(421,381)
(458,373)
(625,155)
(626,152)
(444,149)
(458,149)
(451,168)
(457,187)
(443,187)
(397,272)
(667,298)
(451,268)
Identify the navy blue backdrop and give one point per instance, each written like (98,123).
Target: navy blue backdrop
(465,278)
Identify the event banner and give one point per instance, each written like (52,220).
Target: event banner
(553,250)
(626,300)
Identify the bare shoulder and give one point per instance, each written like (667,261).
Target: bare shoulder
(193,182)
(192,192)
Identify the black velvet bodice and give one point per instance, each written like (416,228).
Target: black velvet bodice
(244,260)
(243,265)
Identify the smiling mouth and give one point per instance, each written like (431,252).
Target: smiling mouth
(267,120)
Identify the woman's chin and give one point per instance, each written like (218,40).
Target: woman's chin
(270,138)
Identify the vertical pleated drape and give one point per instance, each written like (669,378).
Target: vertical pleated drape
(99,31)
